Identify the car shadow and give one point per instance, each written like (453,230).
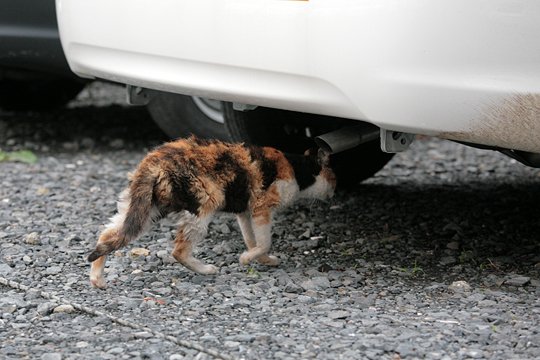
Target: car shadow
(488,225)
(81,127)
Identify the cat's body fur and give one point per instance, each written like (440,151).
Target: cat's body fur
(197,178)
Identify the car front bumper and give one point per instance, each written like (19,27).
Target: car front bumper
(461,69)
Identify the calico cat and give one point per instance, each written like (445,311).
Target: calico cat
(196,178)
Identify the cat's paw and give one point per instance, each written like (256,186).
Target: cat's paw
(98,282)
(269,260)
(245,258)
(208,270)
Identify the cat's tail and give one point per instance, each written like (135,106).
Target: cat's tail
(136,219)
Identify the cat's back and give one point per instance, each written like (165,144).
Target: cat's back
(215,156)
(196,154)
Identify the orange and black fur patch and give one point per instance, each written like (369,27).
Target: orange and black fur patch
(196,178)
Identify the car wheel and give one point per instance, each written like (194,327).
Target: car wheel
(294,132)
(181,115)
(40,94)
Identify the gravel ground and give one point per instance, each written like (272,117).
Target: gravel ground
(435,257)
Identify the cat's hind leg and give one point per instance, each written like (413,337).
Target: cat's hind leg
(246,226)
(192,229)
(98,265)
(121,230)
(109,239)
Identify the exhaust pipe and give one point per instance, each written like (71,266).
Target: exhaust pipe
(347,138)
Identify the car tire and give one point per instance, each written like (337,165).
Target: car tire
(39,94)
(294,132)
(181,115)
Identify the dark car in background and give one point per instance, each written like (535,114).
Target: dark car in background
(34,74)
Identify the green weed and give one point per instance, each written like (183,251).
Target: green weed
(415,270)
(24,156)
(251,272)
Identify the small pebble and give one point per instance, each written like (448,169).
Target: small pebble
(51,356)
(32,238)
(224,229)
(45,308)
(53,270)
(5,269)
(139,252)
(68,309)
(518,281)
(460,287)
(116,350)
(338,314)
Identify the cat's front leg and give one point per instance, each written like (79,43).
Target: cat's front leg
(245,222)
(192,230)
(262,231)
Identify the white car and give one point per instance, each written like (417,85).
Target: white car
(466,70)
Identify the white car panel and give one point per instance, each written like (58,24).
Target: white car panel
(467,70)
